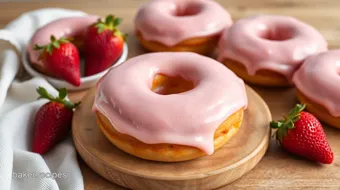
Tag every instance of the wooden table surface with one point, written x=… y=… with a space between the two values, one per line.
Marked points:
x=277 y=170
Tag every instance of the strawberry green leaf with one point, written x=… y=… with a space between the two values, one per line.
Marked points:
x=290 y=125
x=63 y=40
x=37 y=47
x=44 y=94
x=60 y=99
x=276 y=125
x=62 y=93
x=100 y=30
x=117 y=22
x=287 y=123
x=111 y=22
x=52 y=38
x=68 y=104
x=101 y=27
x=109 y=19
x=49 y=49
x=54 y=44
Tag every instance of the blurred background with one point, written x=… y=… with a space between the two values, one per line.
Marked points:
x=322 y=14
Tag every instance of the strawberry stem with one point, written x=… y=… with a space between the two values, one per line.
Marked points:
x=53 y=44
x=111 y=23
x=287 y=123
x=60 y=99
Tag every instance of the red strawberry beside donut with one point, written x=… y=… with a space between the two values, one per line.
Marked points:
x=103 y=45
x=101 y=42
x=61 y=59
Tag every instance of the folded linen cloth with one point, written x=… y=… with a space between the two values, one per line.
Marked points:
x=20 y=169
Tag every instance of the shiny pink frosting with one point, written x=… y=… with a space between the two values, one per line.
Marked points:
x=270 y=42
x=190 y=118
x=161 y=20
x=319 y=79
x=65 y=27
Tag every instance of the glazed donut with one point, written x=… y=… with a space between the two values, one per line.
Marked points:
x=69 y=27
x=156 y=106
x=267 y=49
x=177 y=25
x=318 y=85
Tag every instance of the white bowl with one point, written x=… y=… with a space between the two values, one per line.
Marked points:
x=86 y=82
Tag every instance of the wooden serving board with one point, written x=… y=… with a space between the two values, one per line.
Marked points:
x=226 y=165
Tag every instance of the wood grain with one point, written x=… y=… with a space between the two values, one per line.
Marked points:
x=226 y=165
x=277 y=170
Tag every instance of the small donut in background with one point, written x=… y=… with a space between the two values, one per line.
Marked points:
x=177 y=25
x=266 y=50
x=318 y=86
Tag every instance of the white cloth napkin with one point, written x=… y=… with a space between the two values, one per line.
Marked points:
x=21 y=169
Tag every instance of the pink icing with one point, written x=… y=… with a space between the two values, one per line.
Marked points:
x=190 y=118
x=277 y=43
x=66 y=27
x=319 y=79
x=173 y=21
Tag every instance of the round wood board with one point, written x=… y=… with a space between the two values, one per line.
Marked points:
x=226 y=165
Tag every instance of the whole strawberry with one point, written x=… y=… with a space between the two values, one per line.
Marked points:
x=302 y=134
x=52 y=121
x=61 y=59
x=103 y=45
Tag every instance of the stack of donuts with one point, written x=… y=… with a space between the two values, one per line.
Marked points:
x=265 y=50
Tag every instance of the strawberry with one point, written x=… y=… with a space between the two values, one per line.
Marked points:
x=103 y=45
x=52 y=121
x=61 y=59
x=302 y=134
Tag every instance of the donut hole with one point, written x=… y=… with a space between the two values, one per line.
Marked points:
x=166 y=85
x=188 y=10
x=276 y=33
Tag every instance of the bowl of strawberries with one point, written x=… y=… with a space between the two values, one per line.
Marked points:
x=64 y=64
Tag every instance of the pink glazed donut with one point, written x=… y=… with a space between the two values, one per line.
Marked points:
x=65 y=27
x=318 y=86
x=137 y=116
x=267 y=49
x=181 y=25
